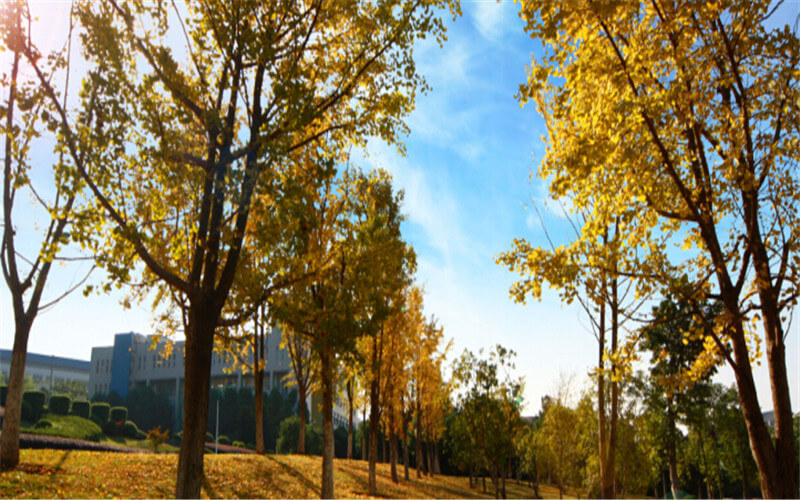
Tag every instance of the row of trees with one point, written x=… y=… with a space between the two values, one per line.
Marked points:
x=674 y=124
x=211 y=176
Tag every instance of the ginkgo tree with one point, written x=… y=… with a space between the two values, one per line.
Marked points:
x=685 y=116
x=29 y=251
x=355 y=226
x=186 y=134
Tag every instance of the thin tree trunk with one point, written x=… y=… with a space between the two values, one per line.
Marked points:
x=393 y=456
x=258 y=384
x=430 y=459
x=405 y=458
x=302 y=410
x=364 y=454
x=326 y=362
x=349 y=419
x=672 y=461
x=374 y=418
x=418 y=459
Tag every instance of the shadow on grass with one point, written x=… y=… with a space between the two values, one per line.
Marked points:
x=297 y=475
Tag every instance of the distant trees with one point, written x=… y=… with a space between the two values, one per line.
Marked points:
x=488 y=412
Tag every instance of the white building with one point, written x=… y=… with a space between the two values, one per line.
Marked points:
x=45 y=370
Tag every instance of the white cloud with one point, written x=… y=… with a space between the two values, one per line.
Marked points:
x=491 y=18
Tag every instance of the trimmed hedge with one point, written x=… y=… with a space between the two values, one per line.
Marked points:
x=60 y=404
x=35 y=401
x=80 y=408
x=119 y=414
x=224 y=440
x=209 y=437
x=238 y=444
x=99 y=413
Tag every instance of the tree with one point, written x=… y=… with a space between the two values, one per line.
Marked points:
x=489 y=409
x=684 y=116
x=676 y=340
x=26 y=269
x=355 y=227
x=206 y=131
x=305 y=370
x=593 y=269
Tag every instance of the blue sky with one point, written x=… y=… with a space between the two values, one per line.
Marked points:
x=467 y=181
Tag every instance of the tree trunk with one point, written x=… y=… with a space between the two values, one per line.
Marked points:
x=364 y=431
x=374 y=419
x=393 y=456
x=436 y=465
x=430 y=459
x=258 y=385
x=405 y=458
x=301 y=404
x=258 y=382
x=197 y=376
x=782 y=480
x=326 y=365
x=349 y=419
x=9 y=444
x=418 y=458
x=672 y=461
x=606 y=472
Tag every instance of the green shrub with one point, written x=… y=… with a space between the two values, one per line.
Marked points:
x=99 y=413
x=69 y=426
x=289 y=433
x=250 y=446
x=224 y=440
x=60 y=404
x=113 y=428
x=80 y=408
x=238 y=444
x=209 y=437
x=130 y=430
x=118 y=414
x=36 y=401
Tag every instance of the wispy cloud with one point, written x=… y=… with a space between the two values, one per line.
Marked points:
x=429 y=202
x=491 y=18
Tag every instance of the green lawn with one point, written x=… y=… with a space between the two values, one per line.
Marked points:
x=85 y=474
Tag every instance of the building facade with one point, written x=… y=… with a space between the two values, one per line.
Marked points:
x=45 y=370
x=137 y=360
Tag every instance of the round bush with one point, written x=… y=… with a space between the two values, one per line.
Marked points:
x=60 y=404
x=80 y=408
x=209 y=437
x=119 y=414
x=238 y=444
x=43 y=424
x=36 y=401
x=99 y=413
x=224 y=440
x=130 y=430
x=140 y=435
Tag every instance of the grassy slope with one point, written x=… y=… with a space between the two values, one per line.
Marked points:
x=83 y=474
